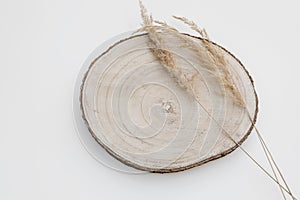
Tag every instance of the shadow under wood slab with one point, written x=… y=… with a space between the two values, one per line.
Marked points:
x=137 y=112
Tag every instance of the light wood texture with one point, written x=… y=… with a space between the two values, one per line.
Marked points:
x=140 y=115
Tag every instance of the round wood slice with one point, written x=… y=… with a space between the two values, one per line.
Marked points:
x=140 y=115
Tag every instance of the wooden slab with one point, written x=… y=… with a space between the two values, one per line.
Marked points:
x=138 y=113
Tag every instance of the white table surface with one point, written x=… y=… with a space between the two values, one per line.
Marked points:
x=43 y=45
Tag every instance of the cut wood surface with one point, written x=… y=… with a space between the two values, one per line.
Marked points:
x=135 y=109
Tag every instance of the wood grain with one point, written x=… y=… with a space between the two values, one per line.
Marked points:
x=138 y=113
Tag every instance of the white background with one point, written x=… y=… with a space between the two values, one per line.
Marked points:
x=42 y=47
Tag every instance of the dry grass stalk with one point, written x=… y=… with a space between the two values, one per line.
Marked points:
x=217 y=59
x=159 y=50
x=210 y=58
x=193 y=26
x=197 y=48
